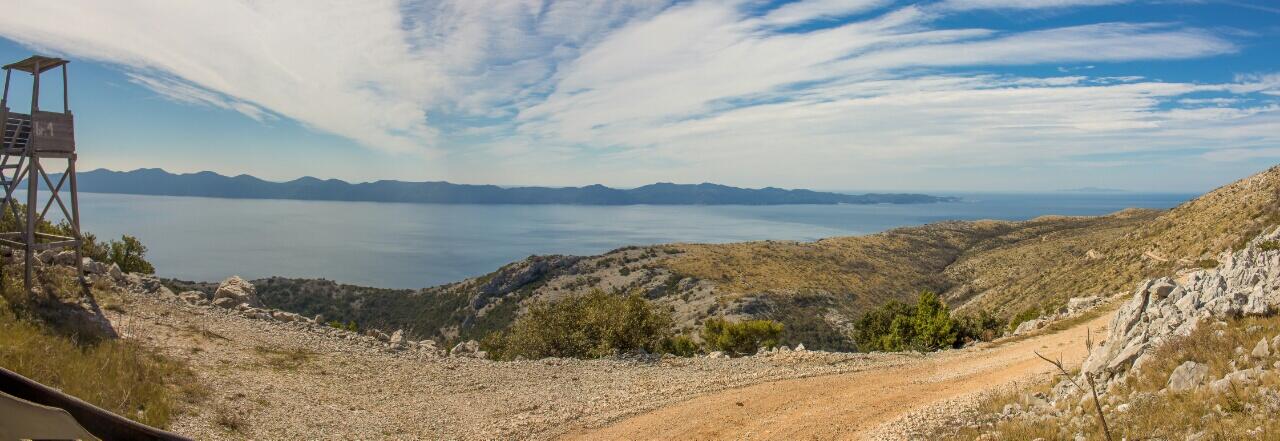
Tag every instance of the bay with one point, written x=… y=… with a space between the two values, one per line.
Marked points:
x=416 y=245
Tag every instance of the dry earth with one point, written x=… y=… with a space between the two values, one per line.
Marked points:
x=903 y=401
x=278 y=380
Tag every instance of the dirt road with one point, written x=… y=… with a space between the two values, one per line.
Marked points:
x=852 y=405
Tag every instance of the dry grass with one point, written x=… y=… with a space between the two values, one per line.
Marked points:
x=1245 y=412
x=992 y=260
x=289 y=359
x=1001 y=267
x=230 y=420
x=119 y=376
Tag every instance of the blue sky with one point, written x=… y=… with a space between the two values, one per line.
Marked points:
x=1160 y=95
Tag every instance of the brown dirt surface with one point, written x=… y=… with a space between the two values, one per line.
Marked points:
x=868 y=404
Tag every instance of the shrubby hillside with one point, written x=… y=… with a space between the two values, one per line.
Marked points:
x=819 y=289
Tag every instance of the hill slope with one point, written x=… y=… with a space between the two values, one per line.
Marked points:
x=818 y=288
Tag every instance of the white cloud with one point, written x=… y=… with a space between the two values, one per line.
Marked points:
x=627 y=92
x=1021 y=4
x=811 y=10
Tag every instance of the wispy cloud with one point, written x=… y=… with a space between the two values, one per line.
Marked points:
x=1021 y=4
x=631 y=91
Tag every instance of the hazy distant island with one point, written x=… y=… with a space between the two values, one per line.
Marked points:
x=154 y=181
x=1093 y=190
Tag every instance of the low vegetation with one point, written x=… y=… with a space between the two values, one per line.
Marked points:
x=115 y=375
x=742 y=337
x=1141 y=407
x=895 y=326
x=600 y=324
x=594 y=325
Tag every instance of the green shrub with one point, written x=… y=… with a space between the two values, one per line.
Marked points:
x=743 y=337
x=1023 y=317
x=594 y=325
x=680 y=346
x=874 y=329
x=980 y=327
x=1269 y=245
x=348 y=326
x=895 y=326
x=1207 y=263
x=129 y=253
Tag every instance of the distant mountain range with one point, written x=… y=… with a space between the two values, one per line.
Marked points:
x=1093 y=190
x=154 y=181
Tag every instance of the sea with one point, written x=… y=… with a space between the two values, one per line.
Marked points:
x=395 y=245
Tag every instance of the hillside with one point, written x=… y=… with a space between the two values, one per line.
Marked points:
x=209 y=184
x=818 y=288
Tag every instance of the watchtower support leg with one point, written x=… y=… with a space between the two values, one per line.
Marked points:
x=29 y=230
x=75 y=218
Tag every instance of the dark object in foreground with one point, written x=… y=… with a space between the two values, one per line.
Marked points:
x=101 y=423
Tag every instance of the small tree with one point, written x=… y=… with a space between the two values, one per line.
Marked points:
x=896 y=326
x=129 y=253
x=932 y=324
x=744 y=337
x=588 y=326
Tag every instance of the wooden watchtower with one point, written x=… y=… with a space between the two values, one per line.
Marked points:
x=31 y=143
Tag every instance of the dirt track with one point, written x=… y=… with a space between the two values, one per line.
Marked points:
x=858 y=405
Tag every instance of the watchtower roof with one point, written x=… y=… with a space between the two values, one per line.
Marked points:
x=29 y=65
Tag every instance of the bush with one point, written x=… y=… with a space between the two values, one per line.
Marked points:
x=129 y=253
x=1207 y=263
x=348 y=326
x=680 y=346
x=895 y=326
x=744 y=337
x=981 y=327
x=1269 y=245
x=1023 y=317
x=594 y=325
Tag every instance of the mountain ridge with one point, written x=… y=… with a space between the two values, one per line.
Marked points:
x=158 y=182
x=817 y=289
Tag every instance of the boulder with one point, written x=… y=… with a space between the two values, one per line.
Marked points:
x=1028 y=326
x=286 y=316
x=193 y=297
x=1080 y=304
x=115 y=273
x=1240 y=378
x=238 y=290
x=397 y=338
x=1261 y=350
x=718 y=354
x=92 y=267
x=224 y=302
x=469 y=348
x=1188 y=376
x=67 y=257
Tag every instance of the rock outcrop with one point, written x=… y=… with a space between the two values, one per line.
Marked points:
x=1246 y=282
x=237 y=291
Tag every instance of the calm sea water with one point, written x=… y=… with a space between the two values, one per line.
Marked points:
x=417 y=245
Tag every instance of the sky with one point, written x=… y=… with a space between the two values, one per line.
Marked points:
x=873 y=95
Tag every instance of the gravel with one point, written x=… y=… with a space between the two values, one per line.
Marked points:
x=271 y=379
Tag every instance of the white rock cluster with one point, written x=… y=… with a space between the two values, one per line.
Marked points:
x=1075 y=307
x=239 y=295
x=1246 y=282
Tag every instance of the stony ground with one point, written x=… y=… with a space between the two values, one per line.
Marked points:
x=907 y=400
x=281 y=380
